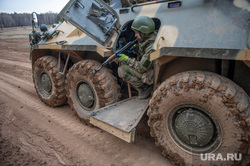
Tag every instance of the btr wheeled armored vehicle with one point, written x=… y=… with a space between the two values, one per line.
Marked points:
x=200 y=102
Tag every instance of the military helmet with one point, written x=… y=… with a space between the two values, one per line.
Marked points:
x=43 y=28
x=143 y=24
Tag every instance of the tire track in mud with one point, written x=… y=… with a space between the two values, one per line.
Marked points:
x=31 y=134
x=32 y=140
x=100 y=144
x=57 y=134
x=16 y=63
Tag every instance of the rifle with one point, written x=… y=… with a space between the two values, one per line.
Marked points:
x=112 y=57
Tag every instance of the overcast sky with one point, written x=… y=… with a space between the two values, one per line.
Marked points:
x=28 y=6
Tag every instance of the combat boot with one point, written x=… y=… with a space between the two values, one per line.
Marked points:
x=144 y=91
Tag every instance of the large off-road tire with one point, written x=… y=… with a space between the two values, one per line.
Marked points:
x=87 y=92
x=195 y=113
x=49 y=81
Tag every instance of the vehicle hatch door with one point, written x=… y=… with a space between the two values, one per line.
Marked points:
x=94 y=17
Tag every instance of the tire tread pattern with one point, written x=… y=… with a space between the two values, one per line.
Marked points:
x=231 y=95
x=58 y=96
x=105 y=84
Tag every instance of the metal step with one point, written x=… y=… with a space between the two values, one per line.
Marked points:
x=121 y=118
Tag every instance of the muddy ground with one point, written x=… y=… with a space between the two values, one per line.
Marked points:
x=32 y=133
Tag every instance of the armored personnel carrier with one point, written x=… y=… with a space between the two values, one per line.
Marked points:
x=200 y=102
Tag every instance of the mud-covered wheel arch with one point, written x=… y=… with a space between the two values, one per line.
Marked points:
x=49 y=81
x=197 y=112
x=87 y=92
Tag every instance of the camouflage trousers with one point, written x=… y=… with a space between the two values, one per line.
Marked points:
x=135 y=78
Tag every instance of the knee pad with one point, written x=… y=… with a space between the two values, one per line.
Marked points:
x=121 y=72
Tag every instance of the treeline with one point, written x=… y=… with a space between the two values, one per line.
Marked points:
x=24 y=19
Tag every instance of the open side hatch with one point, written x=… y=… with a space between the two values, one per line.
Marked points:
x=94 y=17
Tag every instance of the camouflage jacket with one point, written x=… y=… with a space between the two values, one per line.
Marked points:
x=144 y=50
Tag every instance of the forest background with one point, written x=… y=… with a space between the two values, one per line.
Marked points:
x=24 y=19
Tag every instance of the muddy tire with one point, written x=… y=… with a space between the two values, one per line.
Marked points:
x=195 y=113
x=87 y=92
x=49 y=82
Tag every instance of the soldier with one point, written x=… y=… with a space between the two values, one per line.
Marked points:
x=140 y=73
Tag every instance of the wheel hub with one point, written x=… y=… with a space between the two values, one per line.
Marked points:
x=85 y=95
x=193 y=127
x=46 y=83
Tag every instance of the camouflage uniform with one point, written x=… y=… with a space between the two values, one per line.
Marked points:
x=125 y=3
x=139 y=72
x=138 y=1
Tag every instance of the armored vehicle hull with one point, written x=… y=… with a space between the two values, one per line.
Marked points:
x=200 y=103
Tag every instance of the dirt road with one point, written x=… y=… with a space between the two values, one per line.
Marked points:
x=32 y=133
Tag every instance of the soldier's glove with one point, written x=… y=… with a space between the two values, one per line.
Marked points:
x=122 y=57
